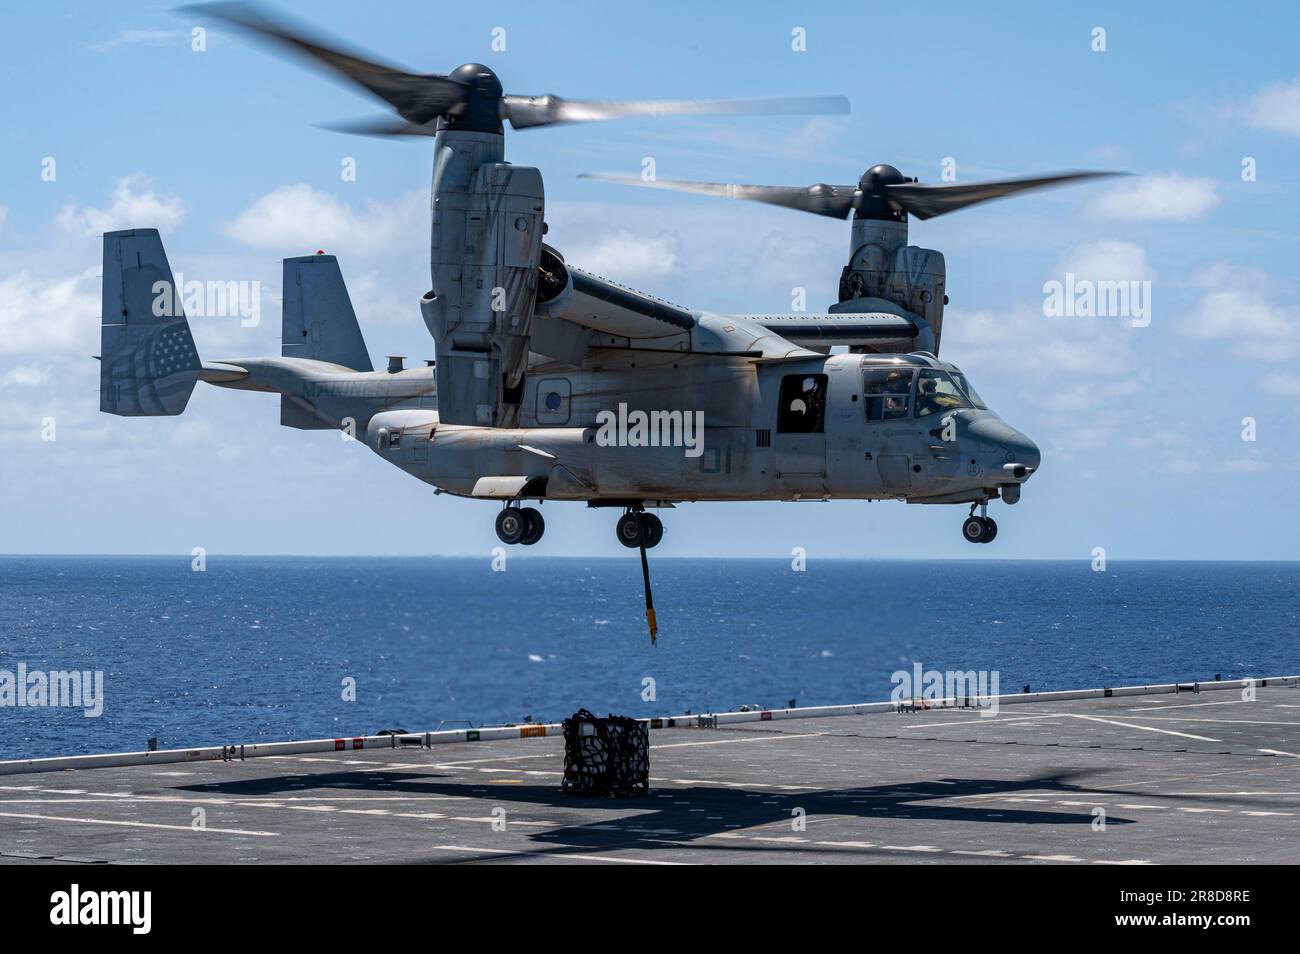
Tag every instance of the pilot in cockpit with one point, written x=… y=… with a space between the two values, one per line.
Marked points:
x=931 y=400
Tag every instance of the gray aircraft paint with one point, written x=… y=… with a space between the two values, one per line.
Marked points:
x=485 y=249
x=531 y=351
x=729 y=368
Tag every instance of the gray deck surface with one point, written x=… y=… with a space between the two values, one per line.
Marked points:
x=1181 y=778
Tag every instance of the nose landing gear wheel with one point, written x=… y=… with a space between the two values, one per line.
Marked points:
x=511 y=525
x=979 y=529
x=992 y=530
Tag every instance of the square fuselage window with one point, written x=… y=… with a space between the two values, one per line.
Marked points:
x=802 y=408
x=887 y=393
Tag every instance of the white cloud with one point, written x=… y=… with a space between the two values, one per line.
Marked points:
x=1276 y=108
x=1161 y=198
x=626 y=256
x=1281 y=384
x=1077 y=379
x=1238 y=307
x=135 y=204
x=24 y=376
x=44 y=316
x=787 y=260
x=1108 y=260
x=297 y=219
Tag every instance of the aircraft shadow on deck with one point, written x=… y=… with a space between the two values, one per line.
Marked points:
x=635 y=821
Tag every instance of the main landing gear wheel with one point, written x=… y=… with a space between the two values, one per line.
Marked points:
x=979 y=529
x=653 y=529
x=632 y=525
x=520 y=525
x=511 y=525
x=536 y=526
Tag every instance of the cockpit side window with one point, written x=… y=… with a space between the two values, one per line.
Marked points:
x=937 y=392
x=964 y=383
x=803 y=404
x=887 y=393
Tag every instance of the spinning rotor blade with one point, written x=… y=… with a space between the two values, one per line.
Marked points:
x=835 y=201
x=381 y=126
x=525 y=112
x=417 y=98
x=471 y=95
x=927 y=201
x=883 y=190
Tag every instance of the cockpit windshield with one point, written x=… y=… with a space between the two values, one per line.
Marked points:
x=964 y=383
x=937 y=393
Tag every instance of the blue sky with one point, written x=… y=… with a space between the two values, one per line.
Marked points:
x=1141 y=427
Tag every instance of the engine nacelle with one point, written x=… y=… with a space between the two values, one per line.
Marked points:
x=883 y=265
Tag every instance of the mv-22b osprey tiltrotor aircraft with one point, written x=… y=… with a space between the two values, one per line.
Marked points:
x=551 y=383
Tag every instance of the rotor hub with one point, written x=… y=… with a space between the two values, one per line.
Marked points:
x=873 y=201
x=477 y=77
x=480 y=109
x=881 y=174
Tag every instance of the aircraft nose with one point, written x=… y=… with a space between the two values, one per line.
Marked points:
x=997 y=437
x=1025 y=451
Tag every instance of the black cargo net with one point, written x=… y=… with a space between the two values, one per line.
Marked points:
x=609 y=756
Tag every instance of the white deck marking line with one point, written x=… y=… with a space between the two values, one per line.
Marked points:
x=1130 y=806
x=1243 y=722
x=924 y=848
x=1062 y=858
x=1145 y=728
x=296 y=801
x=138 y=824
x=1229 y=794
x=1188 y=705
x=500 y=758
x=556 y=854
x=1130 y=861
x=764 y=738
x=983 y=720
x=1280 y=752
x=1220 y=721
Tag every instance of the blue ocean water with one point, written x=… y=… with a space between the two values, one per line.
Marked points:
x=258 y=648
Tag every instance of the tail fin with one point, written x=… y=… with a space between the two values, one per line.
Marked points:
x=318 y=321
x=148 y=362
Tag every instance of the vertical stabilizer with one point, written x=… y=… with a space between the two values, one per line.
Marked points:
x=148 y=362
x=318 y=321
